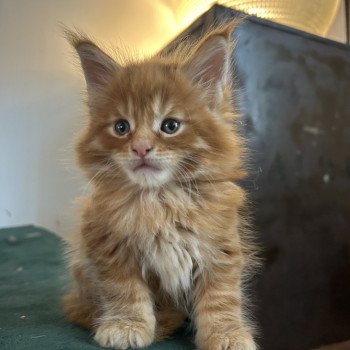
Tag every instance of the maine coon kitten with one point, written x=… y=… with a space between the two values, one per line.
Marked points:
x=161 y=235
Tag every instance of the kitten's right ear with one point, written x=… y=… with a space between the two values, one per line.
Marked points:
x=98 y=67
x=209 y=64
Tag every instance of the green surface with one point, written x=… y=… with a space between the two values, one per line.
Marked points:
x=32 y=281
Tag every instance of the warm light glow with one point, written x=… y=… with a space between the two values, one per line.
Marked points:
x=313 y=16
x=188 y=11
x=256 y=11
x=162 y=20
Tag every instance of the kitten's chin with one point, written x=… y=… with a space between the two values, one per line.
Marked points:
x=147 y=176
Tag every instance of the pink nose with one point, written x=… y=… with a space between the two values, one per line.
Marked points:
x=141 y=148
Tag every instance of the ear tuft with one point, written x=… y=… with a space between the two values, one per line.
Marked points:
x=209 y=65
x=98 y=67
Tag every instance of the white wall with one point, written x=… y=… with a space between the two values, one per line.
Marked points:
x=40 y=96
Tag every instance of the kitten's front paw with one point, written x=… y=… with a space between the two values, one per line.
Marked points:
x=237 y=341
x=123 y=335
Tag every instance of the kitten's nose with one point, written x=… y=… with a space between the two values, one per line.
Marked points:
x=141 y=148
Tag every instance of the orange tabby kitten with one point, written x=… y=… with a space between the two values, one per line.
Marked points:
x=161 y=237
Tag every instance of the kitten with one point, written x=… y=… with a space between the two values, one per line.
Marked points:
x=161 y=236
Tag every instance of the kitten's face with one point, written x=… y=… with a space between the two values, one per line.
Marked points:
x=154 y=129
x=158 y=121
x=150 y=132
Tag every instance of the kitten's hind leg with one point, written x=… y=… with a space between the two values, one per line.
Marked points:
x=79 y=310
x=80 y=303
x=169 y=319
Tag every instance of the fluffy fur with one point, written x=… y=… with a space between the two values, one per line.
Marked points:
x=162 y=237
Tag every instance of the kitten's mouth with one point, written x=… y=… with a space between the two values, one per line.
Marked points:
x=147 y=166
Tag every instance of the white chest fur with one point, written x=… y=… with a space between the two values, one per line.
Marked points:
x=171 y=256
x=156 y=227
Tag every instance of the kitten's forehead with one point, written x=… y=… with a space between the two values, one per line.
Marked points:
x=148 y=91
x=160 y=105
x=153 y=110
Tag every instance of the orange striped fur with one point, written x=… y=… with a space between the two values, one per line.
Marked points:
x=162 y=236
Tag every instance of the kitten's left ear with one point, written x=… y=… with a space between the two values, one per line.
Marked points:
x=209 y=65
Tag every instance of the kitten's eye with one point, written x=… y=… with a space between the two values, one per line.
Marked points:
x=122 y=127
x=170 y=126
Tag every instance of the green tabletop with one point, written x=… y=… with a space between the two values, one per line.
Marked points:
x=32 y=280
